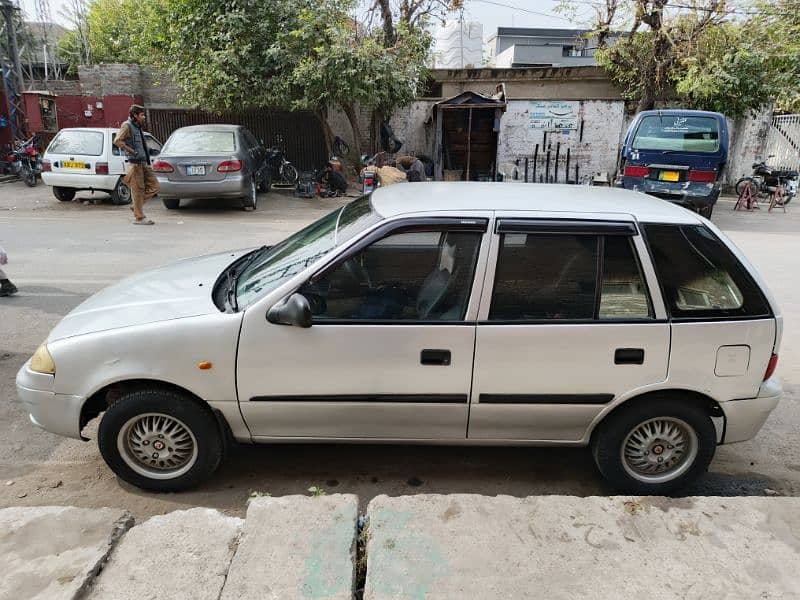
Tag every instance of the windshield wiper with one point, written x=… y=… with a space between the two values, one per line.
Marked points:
x=236 y=272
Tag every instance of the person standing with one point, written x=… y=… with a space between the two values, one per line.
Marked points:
x=140 y=178
x=6 y=287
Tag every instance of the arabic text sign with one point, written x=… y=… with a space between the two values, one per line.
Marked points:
x=553 y=114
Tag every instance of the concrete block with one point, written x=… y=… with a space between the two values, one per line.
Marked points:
x=54 y=552
x=470 y=546
x=181 y=555
x=296 y=547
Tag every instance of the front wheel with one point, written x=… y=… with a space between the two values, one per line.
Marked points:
x=160 y=440
x=655 y=446
x=28 y=175
x=289 y=173
x=739 y=187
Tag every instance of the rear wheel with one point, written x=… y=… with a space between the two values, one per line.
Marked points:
x=64 y=194
x=171 y=203
x=739 y=187
x=250 y=202
x=121 y=194
x=290 y=174
x=655 y=446
x=160 y=440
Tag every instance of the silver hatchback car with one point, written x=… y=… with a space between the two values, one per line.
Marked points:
x=461 y=313
x=212 y=161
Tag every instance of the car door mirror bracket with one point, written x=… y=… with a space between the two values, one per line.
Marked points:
x=295 y=311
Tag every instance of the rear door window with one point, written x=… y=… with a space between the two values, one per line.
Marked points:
x=700 y=276
x=677 y=134
x=72 y=141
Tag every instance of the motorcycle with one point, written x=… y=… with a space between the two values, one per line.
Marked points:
x=765 y=181
x=369 y=174
x=25 y=161
x=282 y=170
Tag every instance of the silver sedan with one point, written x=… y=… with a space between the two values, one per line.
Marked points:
x=212 y=161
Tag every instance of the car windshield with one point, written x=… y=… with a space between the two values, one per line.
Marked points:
x=200 y=142
x=280 y=263
x=71 y=141
x=677 y=134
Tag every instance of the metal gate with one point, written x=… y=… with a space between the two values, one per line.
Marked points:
x=783 y=142
x=299 y=134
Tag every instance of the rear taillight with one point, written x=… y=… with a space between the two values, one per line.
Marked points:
x=703 y=176
x=634 y=171
x=773 y=363
x=161 y=166
x=101 y=168
x=227 y=166
x=46 y=166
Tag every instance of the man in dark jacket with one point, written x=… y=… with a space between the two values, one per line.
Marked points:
x=140 y=178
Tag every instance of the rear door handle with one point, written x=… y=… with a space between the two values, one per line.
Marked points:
x=629 y=356
x=435 y=357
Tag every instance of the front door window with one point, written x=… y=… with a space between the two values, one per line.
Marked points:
x=413 y=276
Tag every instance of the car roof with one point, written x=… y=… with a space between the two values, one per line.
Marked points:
x=210 y=127
x=408 y=198
x=677 y=112
x=98 y=129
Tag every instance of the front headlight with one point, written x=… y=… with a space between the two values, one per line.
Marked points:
x=42 y=362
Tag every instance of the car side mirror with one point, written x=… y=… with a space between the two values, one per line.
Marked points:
x=295 y=310
x=154 y=151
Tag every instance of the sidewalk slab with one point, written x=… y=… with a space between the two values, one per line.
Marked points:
x=471 y=546
x=181 y=555
x=53 y=552
x=296 y=547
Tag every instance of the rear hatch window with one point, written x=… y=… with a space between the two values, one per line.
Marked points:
x=677 y=134
x=71 y=141
x=200 y=142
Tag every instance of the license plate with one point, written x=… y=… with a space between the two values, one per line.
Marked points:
x=71 y=164
x=669 y=176
x=196 y=170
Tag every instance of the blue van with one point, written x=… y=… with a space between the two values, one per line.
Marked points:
x=677 y=155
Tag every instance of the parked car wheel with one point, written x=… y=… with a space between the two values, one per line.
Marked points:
x=160 y=440
x=265 y=181
x=64 y=194
x=654 y=447
x=121 y=194
x=250 y=201
x=171 y=203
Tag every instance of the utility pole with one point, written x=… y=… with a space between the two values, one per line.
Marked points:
x=15 y=100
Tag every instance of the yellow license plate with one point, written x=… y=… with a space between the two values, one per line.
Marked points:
x=71 y=164
x=670 y=176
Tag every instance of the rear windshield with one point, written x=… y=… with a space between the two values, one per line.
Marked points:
x=200 y=142
x=72 y=141
x=678 y=134
x=700 y=276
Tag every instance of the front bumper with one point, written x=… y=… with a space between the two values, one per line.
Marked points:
x=56 y=413
x=688 y=193
x=744 y=418
x=230 y=187
x=81 y=181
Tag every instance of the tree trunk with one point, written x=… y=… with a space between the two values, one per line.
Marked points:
x=648 y=99
x=322 y=116
x=388 y=22
x=350 y=112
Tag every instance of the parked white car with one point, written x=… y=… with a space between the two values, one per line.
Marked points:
x=84 y=158
x=462 y=313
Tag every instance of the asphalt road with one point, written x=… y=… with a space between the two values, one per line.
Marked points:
x=60 y=253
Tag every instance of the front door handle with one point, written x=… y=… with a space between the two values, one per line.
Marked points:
x=435 y=357
x=629 y=356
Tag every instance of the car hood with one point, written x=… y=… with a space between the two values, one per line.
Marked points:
x=174 y=291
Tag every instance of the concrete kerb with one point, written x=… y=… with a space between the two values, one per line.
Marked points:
x=460 y=546
x=184 y=554
x=55 y=552
x=296 y=547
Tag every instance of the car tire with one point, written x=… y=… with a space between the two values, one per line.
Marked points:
x=121 y=194
x=627 y=445
x=250 y=202
x=162 y=421
x=171 y=203
x=705 y=211
x=64 y=194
